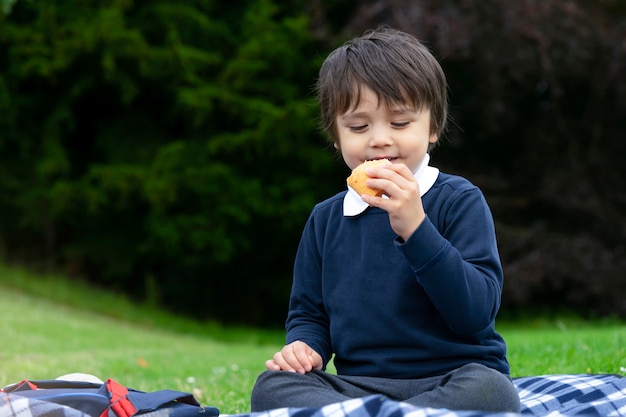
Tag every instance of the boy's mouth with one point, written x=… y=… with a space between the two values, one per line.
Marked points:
x=390 y=158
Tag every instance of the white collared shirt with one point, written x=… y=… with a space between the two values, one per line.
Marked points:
x=425 y=176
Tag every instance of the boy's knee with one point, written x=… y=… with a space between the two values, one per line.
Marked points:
x=261 y=391
x=268 y=383
x=493 y=390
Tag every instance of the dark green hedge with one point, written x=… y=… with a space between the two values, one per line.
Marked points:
x=167 y=149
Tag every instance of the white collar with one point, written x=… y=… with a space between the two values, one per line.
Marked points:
x=425 y=176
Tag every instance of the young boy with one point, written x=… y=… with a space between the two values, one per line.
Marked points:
x=403 y=289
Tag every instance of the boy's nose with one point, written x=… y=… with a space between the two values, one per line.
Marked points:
x=380 y=137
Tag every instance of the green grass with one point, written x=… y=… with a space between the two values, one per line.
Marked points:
x=565 y=346
x=52 y=326
x=43 y=340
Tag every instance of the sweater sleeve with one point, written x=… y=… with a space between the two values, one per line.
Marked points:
x=307 y=320
x=457 y=262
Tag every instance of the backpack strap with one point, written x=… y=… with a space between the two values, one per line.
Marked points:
x=24 y=385
x=35 y=384
x=120 y=403
x=151 y=401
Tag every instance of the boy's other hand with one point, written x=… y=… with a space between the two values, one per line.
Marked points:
x=295 y=357
x=403 y=204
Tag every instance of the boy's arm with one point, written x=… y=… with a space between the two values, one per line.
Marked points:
x=459 y=265
x=307 y=320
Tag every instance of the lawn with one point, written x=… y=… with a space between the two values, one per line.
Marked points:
x=52 y=326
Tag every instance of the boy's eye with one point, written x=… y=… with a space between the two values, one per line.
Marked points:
x=359 y=128
x=400 y=124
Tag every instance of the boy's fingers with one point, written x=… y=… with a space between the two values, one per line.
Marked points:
x=296 y=357
x=316 y=360
x=271 y=365
x=282 y=361
x=291 y=357
x=304 y=360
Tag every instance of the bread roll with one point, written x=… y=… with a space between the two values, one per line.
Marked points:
x=358 y=177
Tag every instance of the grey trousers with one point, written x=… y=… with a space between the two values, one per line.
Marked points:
x=471 y=387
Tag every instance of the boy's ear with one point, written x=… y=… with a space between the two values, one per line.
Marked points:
x=336 y=145
x=433 y=138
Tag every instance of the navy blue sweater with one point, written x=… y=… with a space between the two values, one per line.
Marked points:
x=395 y=309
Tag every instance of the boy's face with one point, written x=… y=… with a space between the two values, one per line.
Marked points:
x=374 y=131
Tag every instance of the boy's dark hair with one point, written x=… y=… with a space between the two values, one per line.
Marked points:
x=396 y=66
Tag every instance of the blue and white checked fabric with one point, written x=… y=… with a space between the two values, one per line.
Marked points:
x=15 y=406
x=371 y=406
x=573 y=395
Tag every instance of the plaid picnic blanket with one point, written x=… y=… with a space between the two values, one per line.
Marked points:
x=545 y=395
x=572 y=395
x=16 y=406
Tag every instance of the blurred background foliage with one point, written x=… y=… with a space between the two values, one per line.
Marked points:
x=170 y=150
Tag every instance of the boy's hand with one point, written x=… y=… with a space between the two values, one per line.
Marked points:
x=295 y=357
x=404 y=204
